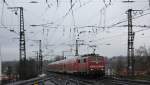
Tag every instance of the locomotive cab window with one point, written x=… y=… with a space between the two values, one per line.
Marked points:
x=84 y=60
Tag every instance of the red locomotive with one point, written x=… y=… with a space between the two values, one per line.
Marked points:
x=90 y=64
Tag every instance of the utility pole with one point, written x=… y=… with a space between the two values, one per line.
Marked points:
x=76 y=54
x=130 y=52
x=22 y=48
x=37 y=61
x=40 y=57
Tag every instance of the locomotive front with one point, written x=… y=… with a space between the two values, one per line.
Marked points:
x=96 y=65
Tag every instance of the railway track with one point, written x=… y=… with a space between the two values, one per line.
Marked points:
x=107 y=80
x=63 y=79
x=75 y=80
x=125 y=81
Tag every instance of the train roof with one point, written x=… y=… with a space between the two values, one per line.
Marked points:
x=93 y=54
x=74 y=58
x=65 y=60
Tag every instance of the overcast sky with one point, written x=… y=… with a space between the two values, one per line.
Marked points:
x=58 y=33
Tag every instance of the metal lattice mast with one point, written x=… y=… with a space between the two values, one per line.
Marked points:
x=130 y=68
x=22 y=48
x=131 y=34
x=22 y=36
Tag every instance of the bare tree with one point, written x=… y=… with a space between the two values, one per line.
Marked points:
x=142 y=59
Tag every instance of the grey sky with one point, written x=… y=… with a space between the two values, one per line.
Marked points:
x=86 y=13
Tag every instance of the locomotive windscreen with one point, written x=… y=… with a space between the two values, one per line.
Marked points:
x=95 y=58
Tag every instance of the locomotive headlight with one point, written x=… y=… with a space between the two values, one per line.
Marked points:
x=102 y=68
x=91 y=69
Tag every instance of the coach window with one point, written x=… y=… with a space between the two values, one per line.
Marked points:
x=84 y=60
x=78 y=61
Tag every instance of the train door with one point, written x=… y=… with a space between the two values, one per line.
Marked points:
x=84 y=64
x=77 y=65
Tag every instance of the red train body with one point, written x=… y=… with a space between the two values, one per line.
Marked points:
x=91 y=64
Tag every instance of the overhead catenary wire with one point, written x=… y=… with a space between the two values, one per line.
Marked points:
x=118 y=23
x=2 y=16
x=123 y=34
x=72 y=13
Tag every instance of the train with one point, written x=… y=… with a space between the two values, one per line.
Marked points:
x=89 y=64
